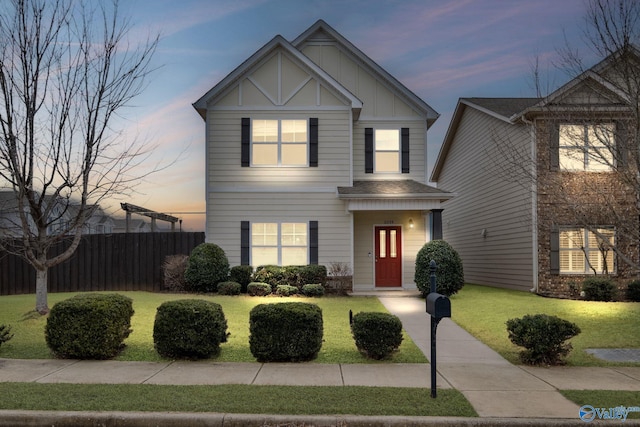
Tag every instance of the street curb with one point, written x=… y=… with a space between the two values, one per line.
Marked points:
x=15 y=418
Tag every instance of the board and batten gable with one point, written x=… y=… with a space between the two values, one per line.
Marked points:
x=489 y=222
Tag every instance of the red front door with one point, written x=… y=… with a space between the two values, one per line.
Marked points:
x=388 y=256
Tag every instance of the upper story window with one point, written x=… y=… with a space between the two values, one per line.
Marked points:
x=586 y=147
x=387 y=150
x=279 y=142
x=585 y=252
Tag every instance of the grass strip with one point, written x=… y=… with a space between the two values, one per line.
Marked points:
x=483 y=312
x=241 y=399
x=605 y=399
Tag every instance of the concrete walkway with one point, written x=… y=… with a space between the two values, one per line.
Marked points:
x=497 y=389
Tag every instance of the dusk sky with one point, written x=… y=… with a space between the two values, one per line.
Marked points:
x=441 y=50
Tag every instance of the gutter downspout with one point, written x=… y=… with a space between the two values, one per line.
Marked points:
x=534 y=206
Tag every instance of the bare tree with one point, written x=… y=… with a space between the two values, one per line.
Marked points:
x=66 y=71
x=597 y=130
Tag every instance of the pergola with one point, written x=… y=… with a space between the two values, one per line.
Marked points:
x=129 y=209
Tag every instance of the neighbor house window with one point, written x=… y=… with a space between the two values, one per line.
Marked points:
x=586 y=147
x=387 y=150
x=279 y=142
x=274 y=243
x=583 y=251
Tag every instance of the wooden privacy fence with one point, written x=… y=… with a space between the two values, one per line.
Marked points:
x=102 y=262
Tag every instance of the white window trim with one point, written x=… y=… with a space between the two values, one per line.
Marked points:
x=376 y=151
x=279 y=245
x=585 y=253
x=279 y=144
x=585 y=147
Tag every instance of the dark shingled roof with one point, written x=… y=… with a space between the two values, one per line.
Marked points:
x=505 y=107
x=378 y=188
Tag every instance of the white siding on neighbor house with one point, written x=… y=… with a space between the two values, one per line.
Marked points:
x=412 y=240
x=417 y=152
x=487 y=200
x=224 y=146
x=226 y=210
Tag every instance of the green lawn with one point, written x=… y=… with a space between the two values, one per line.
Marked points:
x=606 y=399
x=338 y=346
x=247 y=399
x=483 y=312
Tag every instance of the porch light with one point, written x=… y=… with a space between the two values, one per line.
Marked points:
x=410 y=223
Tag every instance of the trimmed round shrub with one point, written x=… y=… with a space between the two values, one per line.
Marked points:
x=599 y=288
x=189 y=329
x=89 y=326
x=543 y=337
x=313 y=290
x=449 y=273
x=229 y=288
x=377 y=335
x=5 y=334
x=285 y=332
x=258 y=289
x=207 y=266
x=286 y=290
x=241 y=274
x=633 y=291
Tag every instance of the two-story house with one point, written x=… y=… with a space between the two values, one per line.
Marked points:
x=545 y=192
x=316 y=155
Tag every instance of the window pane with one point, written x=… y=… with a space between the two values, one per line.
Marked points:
x=387 y=139
x=264 y=256
x=294 y=234
x=571 y=159
x=294 y=256
x=393 y=253
x=571 y=135
x=294 y=131
x=264 y=234
x=387 y=162
x=383 y=243
x=265 y=154
x=265 y=131
x=294 y=154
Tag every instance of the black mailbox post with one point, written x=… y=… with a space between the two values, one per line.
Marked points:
x=438 y=306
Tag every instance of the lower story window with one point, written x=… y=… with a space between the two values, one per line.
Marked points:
x=279 y=243
x=586 y=252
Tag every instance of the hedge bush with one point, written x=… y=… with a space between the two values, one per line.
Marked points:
x=543 y=337
x=189 y=329
x=258 y=289
x=599 y=288
x=313 y=290
x=449 y=273
x=89 y=326
x=241 y=274
x=293 y=275
x=286 y=290
x=633 y=291
x=229 y=288
x=285 y=332
x=377 y=335
x=5 y=333
x=207 y=266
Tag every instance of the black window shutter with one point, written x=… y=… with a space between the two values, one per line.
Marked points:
x=404 y=143
x=554 y=144
x=554 y=255
x=368 y=150
x=621 y=143
x=313 y=142
x=246 y=142
x=313 y=242
x=244 y=242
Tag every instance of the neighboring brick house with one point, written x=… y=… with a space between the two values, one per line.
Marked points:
x=317 y=155
x=546 y=225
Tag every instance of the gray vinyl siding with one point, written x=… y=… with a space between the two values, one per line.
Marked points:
x=487 y=200
x=226 y=210
x=223 y=151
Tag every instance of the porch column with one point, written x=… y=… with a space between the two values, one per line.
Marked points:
x=436 y=232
